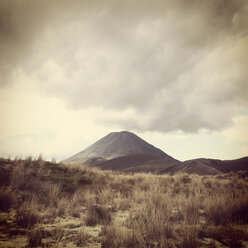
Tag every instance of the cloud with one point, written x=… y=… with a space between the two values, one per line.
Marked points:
x=239 y=131
x=149 y=65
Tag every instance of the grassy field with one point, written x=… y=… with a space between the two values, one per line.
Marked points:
x=47 y=204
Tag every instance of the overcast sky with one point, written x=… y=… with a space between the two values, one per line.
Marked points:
x=172 y=71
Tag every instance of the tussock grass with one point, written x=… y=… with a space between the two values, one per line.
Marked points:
x=6 y=199
x=27 y=214
x=98 y=215
x=159 y=211
x=82 y=238
x=189 y=237
x=229 y=236
x=35 y=237
x=120 y=237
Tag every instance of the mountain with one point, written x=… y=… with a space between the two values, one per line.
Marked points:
x=237 y=164
x=123 y=151
x=139 y=162
x=203 y=166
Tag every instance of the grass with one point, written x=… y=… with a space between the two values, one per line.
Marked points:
x=229 y=236
x=6 y=199
x=26 y=218
x=189 y=237
x=119 y=237
x=82 y=239
x=52 y=205
x=98 y=215
x=35 y=237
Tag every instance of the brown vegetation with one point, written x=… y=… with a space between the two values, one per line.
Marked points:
x=51 y=205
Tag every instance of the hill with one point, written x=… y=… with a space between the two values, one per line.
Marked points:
x=203 y=166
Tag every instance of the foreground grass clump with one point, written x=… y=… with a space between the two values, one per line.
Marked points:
x=48 y=204
x=6 y=199
x=98 y=215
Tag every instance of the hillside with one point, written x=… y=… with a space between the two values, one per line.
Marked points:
x=123 y=151
x=140 y=162
x=45 y=204
x=203 y=166
x=113 y=145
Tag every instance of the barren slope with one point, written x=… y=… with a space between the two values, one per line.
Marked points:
x=114 y=145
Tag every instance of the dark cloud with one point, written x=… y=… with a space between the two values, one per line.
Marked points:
x=177 y=65
x=20 y=22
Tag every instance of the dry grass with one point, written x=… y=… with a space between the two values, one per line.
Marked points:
x=6 y=199
x=98 y=215
x=82 y=239
x=27 y=214
x=140 y=210
x=189 y=237
x=119 y=237
x=35 y=237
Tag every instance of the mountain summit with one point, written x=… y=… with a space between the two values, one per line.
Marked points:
x=123 y=151
x=114 y=145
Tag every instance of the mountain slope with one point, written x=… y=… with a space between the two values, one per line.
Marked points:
x=123 y=151
x=237 y=164
x=139 y=162
x=203 y=166
x=114 y=145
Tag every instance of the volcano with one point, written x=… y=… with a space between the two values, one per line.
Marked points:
x=124 y=151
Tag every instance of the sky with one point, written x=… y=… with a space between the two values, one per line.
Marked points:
x=172 y=71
